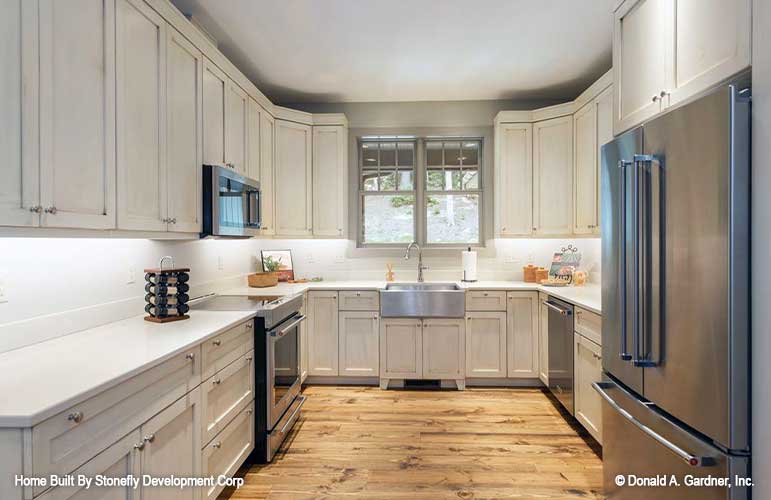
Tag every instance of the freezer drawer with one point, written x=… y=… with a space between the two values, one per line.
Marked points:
x=641 y=442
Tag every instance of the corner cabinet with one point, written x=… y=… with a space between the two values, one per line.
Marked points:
x=553 y=176
x=514 y=179
x=330 y=180
x=294 y=179
x=666 y=52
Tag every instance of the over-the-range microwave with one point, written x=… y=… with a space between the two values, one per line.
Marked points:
x=231 y=204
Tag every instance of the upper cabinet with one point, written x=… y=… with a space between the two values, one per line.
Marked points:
x=667 y=51
x=214 y=87
x=267 y=173
x=514 y=179
x=330 y=180
x=553 y=176
x=253 y=142
x=294 y=194
x=77 y=113
x=236 y=113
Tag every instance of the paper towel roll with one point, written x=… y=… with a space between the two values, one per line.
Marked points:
x=469 y=259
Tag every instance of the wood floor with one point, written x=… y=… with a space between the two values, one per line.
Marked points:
x=365 y=443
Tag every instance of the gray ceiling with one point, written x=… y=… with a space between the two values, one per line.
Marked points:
x=313 y=51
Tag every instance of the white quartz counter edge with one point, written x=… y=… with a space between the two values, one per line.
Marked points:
x=44 y=379
x=587 y=297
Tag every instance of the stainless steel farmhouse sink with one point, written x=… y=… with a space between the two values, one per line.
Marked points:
x=422 y=300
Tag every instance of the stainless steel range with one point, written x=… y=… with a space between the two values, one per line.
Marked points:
x=277 y=397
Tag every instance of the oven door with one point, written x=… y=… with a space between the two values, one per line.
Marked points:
x=283 y=367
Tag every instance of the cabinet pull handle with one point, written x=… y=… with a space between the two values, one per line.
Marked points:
x=150 y=438
x=216 y=381
x=50 y=210
x=139 y=446
x=217 y=445
x=76 y=416
x=217 y=343
x=248 y=359
x=190 y=356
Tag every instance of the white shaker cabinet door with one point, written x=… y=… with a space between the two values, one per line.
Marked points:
x=294 y=211
x=77 y=113
x=401 y=348
x=642 y=59
x=184 y=139
x=19 y=170
x=604 y=104
x=140 y=44
x=236 y=115
x=359 y=343
x=522 y=333
x=486 y=344
x=444 y=348
x=253 y=125
x=213 y=114
x=553 y=176
x=330 y=178
x=322 y=334
x=514 y=179
x=585 y=169
x=268 y=173
x=588 y=369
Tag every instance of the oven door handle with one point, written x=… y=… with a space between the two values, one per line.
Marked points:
x=283 y=331
x=291 y=420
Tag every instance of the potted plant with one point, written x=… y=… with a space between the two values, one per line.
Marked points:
x=267 y=278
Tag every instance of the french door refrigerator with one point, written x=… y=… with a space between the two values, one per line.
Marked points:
x=675 y=295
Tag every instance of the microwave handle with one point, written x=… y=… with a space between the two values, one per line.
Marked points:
x=283 y=331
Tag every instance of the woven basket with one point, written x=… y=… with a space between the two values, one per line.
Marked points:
x=262 y=280
x=529 y=272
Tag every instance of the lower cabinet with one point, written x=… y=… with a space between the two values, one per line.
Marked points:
x=118 y=461
x=486 y=344
x=543 y=339
x=588 y=369
x=171 y=445
x=228 y=450
x=304 y=342
x=226 y=393
x=401 y=350
x=358 y=343
x=322 y=333
x=522 y=334
x=444 y=348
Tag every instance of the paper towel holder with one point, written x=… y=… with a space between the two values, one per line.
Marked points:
x=464 y=279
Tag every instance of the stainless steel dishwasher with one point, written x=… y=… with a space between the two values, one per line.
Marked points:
x=561 y=351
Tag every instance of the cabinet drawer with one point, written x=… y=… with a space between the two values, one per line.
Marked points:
x=589 y=325
x=228 y=450
x=227 y=347
x=67 y=440
x=359 y=301
x=226 y=394
x=485 y=300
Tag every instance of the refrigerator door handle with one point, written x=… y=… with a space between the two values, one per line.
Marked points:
x=690 y=459
x=624 y=354
x=647 y=346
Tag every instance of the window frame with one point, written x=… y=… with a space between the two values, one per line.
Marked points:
x=420 y=189
x=362 y=193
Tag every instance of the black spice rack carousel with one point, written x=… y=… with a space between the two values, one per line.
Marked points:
x=167 y=293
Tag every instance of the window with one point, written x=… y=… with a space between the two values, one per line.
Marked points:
x=452 y=192
x=387 y=188
x=438 y=197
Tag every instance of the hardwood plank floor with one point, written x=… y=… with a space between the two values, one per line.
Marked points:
x=365 y=443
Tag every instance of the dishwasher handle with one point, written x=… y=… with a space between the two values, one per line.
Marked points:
x=554 y=307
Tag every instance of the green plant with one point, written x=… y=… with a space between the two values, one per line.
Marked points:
x=270 y=264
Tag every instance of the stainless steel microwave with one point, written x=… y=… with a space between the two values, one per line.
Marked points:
x=231 y=204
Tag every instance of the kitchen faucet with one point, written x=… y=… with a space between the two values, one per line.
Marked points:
x=421 y=267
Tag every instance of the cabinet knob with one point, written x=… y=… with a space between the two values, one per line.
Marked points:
x=663 y=93
x=150 y=438
x=654 y=98
x=216 y=381
x=140 y=446
x=217 y=343
x=535 y=228
x=173 y=221
x=50 y=210
x=190 y=356
x=248 y=359
x=249 y=325
x=249 y=411
x=36 y=209
x=76 y=416
x=217 y=445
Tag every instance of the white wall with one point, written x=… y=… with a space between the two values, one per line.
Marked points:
x=761 y=242
x=500 y=260
x=45 y=277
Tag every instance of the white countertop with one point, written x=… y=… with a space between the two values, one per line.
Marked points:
x=587 y=297
x=43 y=379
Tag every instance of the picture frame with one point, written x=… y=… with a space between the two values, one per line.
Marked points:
x=284 y=258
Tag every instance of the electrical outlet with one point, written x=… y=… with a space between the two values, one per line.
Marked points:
x=340 y=258
x=220 y=263
x=131 y=277
x=3 y=287
x=309 y=259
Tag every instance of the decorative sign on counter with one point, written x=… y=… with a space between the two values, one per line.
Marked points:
x=278 y=261
x=563 y=265
x=167 y=293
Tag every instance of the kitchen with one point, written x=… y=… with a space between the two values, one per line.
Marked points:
x=428 y=370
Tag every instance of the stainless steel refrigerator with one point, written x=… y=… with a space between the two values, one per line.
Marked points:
x=675 y=302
